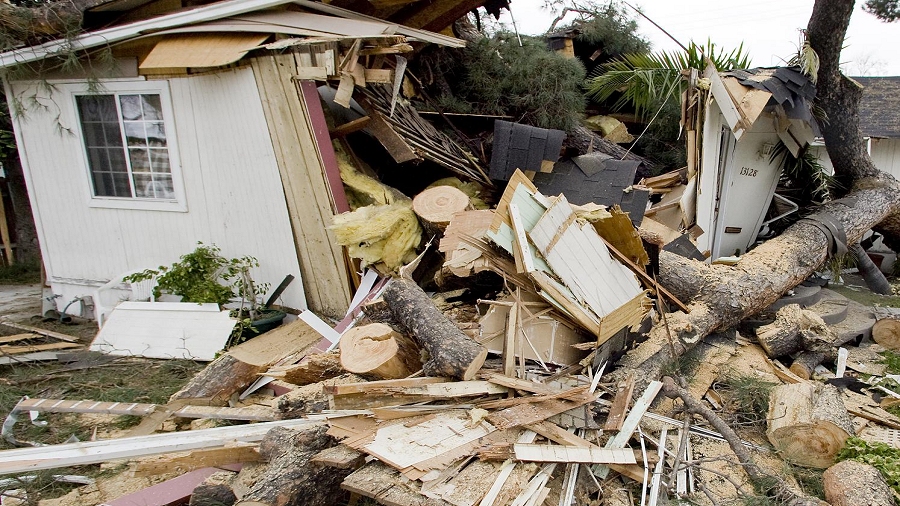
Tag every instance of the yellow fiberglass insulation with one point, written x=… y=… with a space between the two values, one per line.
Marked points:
x=375 y=234
x=363 y=190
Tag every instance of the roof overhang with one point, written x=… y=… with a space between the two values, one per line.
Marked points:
x=212 y=12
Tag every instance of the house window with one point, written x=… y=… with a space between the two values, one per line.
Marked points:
x=127 y=147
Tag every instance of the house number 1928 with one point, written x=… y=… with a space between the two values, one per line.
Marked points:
x=747 y=171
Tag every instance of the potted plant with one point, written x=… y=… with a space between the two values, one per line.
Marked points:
x=205 y=276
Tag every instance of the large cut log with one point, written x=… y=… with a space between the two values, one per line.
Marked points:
x=243 y=363
x=886 y=332
x=377 y=350
x=436 y=206
x=851 y=483
x=806 y=362
x=290 y=477
x=808 y=423
x=313 y=368
x=452 y=353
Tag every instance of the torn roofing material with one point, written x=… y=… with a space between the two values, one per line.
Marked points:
x=879 y=114
x=789 y=86
x=522 y=147
x=599 y=179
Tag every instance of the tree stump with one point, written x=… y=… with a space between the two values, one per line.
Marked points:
x=886 y=332
x=435 y=206
x=452 y=353
x=290 y=477
x=851 y=483
x=377 y=350
x=808 y=423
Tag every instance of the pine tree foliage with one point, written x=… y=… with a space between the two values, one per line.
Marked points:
x=610 y=30
x=885 y=10
x=496 y=76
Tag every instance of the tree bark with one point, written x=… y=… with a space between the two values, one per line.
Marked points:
x=452 y=353
x=851 y=483
x=290 y=478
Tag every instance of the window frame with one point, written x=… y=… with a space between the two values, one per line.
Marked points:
x=117 y=88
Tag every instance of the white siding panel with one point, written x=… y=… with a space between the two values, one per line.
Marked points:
x=884 y=154
x=232 y=187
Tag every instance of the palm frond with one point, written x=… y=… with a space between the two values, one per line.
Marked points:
x=646 y=80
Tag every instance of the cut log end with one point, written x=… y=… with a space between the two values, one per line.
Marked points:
x=379 y=351
x=807 y=423
x=886 y=332
x=435 y=206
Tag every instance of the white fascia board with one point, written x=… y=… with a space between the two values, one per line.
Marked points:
x=120 y=33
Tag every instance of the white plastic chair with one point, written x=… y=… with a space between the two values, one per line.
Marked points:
x=110 y=294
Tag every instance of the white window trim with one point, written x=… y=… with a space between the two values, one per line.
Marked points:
x=116 y=86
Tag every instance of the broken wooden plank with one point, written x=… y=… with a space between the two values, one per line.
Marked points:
x=536 y=412
x=369 y=386
x=620 y=440
x=620 y=406
x=197 y=459
x=350 y=127
x=94 y=452
x=558 y=435
x=32 y=348
x=522 y=384
x=18 y=337
x=4 y=320
x=571 y=454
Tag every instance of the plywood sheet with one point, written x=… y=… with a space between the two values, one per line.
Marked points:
x=165 y=330
x=201 y=50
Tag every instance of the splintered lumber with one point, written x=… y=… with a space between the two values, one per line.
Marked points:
x=886 y=332
x=452 y=353
x=93 y=452
x=436 y=206
x=851 y=483
x=534 y=412
x=370 y=386
x=242 y=364
x=620 y=405
x=387 y=486
x=249 y=413
x=377 y=350
x=570 y=454
x=290 y=477
x=808 y=423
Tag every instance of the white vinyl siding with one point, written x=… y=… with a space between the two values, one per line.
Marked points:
x=231 y=184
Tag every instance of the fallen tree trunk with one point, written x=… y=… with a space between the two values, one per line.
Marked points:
x=721 y=296
x=452 y=353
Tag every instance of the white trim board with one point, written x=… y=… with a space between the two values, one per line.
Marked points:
x=165 y=330
x=94 y=452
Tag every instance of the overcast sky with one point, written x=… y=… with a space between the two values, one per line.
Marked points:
x=768 y=29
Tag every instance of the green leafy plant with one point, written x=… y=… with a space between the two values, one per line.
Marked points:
x=205 y=276
x=881 y=456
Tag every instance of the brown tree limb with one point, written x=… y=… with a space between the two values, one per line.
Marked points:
x=764 y=482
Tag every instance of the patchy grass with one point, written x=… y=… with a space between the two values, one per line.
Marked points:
x=20 y=273
x=123 y=380
x=854 y=288
x=892 y=362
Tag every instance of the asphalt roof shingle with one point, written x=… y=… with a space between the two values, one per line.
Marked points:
x=879 y=108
